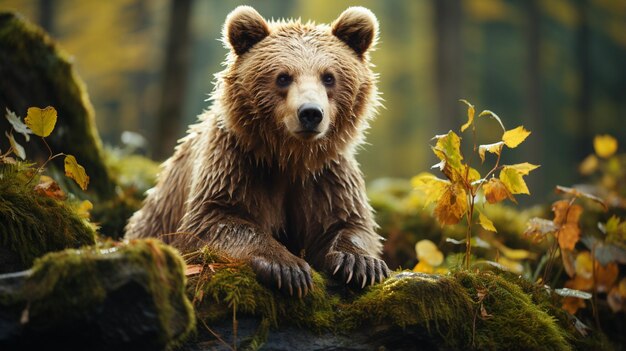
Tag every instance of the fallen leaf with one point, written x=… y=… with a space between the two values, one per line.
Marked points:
x=584 y=265
x=423 y=267
x=193 y=269
x=572 y=304
x=82 y=210
x=537 y=228
x=573 y=293
x=428 y=252
x=41 y=121
x=75 y=171
x=50 y=188
x=512 y=138
x=605 y=145
x=581 y=194
x=606 y=276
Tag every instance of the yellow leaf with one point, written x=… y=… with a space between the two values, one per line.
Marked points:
x=448 y=149
x=17 y=148
x=452 y=205
x=622 y=287
x=513 y=181
x=75 y=171
x=605 y=145
x=511 y=265
x=485 y=222
x=512 y=138
x=431 y=186
x=428 y=252
x=495 y=148
x=584 y=265
x=589 y=165
x=567 y=216
x=472 y=174
x=470 y=115
x=496 y=191
x=523 y=168
x=423 y=267
x=83 y=209
x=512 y=254
x=41 y=121
x=494 y=116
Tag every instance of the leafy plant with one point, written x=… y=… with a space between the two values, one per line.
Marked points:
x=40 y=122
x=456 y=196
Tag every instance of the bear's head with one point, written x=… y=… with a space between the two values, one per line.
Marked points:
x=298 y=94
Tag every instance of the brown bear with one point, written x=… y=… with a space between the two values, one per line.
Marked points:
x=268 y=174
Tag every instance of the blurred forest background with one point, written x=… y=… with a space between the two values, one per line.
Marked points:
x=556 y=66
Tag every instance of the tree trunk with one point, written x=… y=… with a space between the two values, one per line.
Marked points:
x=175 y=79
x=533 y=89
x=449 y=52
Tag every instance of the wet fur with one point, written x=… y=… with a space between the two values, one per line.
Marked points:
x=242 y=184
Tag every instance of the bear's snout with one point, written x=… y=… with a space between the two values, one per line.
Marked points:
x=310 y=116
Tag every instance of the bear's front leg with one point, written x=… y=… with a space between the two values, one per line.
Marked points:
x=242 y=239
x=352 y=264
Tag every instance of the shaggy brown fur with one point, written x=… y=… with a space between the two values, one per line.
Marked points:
x=245 y=182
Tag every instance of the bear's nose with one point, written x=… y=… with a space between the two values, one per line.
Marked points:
x=310 y=115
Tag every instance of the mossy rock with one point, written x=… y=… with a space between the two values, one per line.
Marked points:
x=32 y=224
x=462 y=310
x=115 y=296
x=36 y=72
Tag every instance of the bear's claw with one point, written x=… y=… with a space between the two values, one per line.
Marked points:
x=357 y=268
x=292 y=276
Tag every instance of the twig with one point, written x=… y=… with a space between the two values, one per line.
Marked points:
x=216 y=335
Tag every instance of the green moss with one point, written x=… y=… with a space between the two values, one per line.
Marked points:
x=507 y=317
x=65 y=285
x=33 y=225
x=437 y=304
x=37 y=72
x=233 y=285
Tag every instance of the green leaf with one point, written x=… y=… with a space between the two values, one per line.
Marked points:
x=18 y=125
x=75 y=171
x=41 y=121
x=512 y=138
x=494 y=116
x=17 y=148
x=470 y=115
x=513 y=181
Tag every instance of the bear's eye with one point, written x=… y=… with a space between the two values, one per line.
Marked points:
x=328 y=79
x=283 y=80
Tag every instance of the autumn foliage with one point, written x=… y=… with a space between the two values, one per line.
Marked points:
x=455 y=196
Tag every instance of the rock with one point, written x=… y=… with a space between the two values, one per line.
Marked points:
x=119 y=296
x=33 y=224
x=36 y=72
x=408 y=311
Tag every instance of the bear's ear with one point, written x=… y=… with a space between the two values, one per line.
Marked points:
x=244 y=27
x=357 y=27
